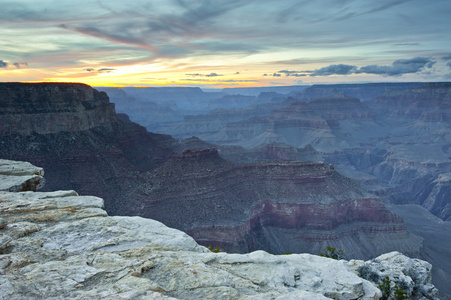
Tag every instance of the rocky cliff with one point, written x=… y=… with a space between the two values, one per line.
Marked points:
x=58 y=245
x=45 y=108
x=279 y=206
x=74 y=133
x=364 y=91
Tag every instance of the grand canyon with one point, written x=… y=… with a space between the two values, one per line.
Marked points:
x=285 y=171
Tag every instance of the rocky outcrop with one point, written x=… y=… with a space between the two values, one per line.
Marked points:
x=279 y=206
x=412 y=276
x=45 y=108
x=20 y=177
x=430 y=102
x=74 y=133
x=58 y=245
x=364 y=91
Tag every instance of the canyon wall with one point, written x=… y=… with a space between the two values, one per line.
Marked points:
x=59 y=245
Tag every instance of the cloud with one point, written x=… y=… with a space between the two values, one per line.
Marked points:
x=294 y=73
x=204 y=75
x=449 y=64
x=340 y=69
x=288 y=73
x=5 y=64
x=20 y=65
x=106 y=70
x=102 y=70
x=213 y=75
x=276 y=75
x=231 y=80
x=399 y=67
x=447 y=57
x=123 y=38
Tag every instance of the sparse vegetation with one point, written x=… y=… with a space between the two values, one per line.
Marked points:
x=332 y=253
x=215 y=249
x=385 y=287
x=399 y=294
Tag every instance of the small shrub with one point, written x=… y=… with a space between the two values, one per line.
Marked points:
x=332 y=253
x=399 y=294
x=216 y=249
x=384 y=286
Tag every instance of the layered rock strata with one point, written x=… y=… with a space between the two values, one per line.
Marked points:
x=279 y=207
x=74 y=133
x=58 y=245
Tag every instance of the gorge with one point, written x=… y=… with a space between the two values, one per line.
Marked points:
x=240 y=206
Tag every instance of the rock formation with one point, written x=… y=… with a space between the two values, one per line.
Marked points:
x=278 y=206
x=58 y=245
x=241 y=207
x=364 y=91
x=74 y=133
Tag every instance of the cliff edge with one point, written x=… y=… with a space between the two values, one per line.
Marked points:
x=61 y=245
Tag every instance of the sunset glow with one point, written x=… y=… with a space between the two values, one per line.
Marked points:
x=224 y=43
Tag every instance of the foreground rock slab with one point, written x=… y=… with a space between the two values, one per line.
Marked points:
x=58 y=245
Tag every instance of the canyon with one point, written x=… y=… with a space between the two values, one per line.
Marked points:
x=244 y=205
x=393 y=138
x=239 y=207
x=60 y=245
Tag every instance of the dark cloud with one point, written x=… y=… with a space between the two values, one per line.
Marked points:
x=294 y=73
x=20 y=65
x=102 y=70
x=448 y=64
x=5 y=64
x=237 y=73
x=196 y=80
x=276 y=75
x=447 y=57
x=231 y=80
x=213 y=75
x=399 y=67
x=288 y=73
x=204 y=75
x=105 y=70
x=334 y=70
x=298 y=75
x=122 y=38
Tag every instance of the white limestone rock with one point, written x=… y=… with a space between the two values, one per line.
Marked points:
x=20 y=176
x=410 y=274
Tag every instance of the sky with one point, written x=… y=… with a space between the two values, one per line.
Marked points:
x=230 y=43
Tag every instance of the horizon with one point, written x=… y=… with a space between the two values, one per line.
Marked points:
x=220 y=44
